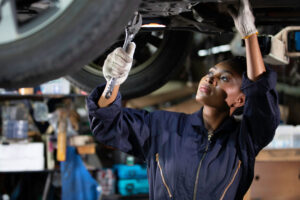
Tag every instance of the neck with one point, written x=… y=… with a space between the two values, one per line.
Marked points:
x=213 y=117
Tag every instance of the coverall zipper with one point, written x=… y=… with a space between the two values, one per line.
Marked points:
x=209 y=135
x=162 y=176
x=232 y=180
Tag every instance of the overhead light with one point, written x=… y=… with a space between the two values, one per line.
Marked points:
x=214 y=50
x=153 y=25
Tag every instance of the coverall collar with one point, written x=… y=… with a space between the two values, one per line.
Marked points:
x=228 y=123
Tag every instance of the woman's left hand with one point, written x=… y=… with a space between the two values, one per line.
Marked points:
x=243 y=19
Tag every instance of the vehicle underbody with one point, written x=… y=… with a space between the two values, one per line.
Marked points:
x=46 y=47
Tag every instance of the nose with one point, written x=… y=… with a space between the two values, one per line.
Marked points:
x=210 y=80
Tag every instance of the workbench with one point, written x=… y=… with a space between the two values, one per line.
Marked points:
x=276 y=175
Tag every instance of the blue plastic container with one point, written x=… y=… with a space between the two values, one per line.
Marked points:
x=133 y=186
x=131 y=171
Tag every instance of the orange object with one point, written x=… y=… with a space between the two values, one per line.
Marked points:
x=62 y=136
x=86 y=149
x=61 y=146
x=26 y=91
x=246 y=37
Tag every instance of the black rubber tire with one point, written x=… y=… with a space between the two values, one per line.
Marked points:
x=86 y=28
x=170 y=59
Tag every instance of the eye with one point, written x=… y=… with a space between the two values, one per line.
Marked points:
x=224 y=78
x=210 y=73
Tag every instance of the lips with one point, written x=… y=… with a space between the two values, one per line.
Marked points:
x=205 y=89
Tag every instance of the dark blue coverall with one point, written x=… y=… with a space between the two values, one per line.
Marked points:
x=184 y=160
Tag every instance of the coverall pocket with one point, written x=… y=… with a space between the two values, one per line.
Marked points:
x=163 y=177
x=231 y=180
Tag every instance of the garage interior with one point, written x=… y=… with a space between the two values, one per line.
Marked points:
x=46 y=124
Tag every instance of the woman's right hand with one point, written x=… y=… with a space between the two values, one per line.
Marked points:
x=118 y=64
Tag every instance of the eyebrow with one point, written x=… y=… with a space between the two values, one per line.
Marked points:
x=229 y=72
x=222 y=71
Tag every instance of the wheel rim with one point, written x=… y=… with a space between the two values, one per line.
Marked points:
x=147 y=51
x=16 y=24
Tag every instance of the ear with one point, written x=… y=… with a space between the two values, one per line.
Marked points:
x=240 y=100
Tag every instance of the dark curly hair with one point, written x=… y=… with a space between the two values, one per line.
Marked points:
x=238 y=64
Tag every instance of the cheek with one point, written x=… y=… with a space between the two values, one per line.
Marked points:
x=220 y=95
x=232 y=93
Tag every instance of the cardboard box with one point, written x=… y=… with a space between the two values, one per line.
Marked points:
x=22 y=157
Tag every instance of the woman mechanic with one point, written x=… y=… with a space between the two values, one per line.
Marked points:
x=205 y=155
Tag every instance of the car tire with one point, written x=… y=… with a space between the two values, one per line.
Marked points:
x=156 y=70
x=75 y=38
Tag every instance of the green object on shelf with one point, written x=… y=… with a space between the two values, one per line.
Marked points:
x=130 y=160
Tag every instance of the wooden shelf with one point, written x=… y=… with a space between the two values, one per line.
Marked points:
x=29 y=171
x=6 y=97
x=279 y=155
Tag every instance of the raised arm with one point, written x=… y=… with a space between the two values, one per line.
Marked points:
x=261 y=112
x=117 y=65
x=255 y=63
x=125 y=129
x=244 y=23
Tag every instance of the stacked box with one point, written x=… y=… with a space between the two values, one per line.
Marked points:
x=132 y=179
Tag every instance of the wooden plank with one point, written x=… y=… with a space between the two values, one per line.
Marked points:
x=151 y=100
x=190 y=106
x=279 y=155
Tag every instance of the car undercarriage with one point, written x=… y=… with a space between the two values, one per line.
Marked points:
x=74 y=36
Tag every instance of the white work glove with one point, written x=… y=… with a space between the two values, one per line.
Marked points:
x=243 y=19
x=118 y=64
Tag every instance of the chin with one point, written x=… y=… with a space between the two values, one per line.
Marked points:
x=201 y=99
x=198 y=98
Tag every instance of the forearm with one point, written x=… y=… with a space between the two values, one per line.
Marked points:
x=255 y=63
x=103 y=102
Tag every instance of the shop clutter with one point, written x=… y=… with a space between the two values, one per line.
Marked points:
x=45 y=131
x=49 y=123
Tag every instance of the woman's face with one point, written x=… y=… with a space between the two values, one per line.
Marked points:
x=220 y=88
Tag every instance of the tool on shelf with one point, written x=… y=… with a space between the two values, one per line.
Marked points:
x=62 y=135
